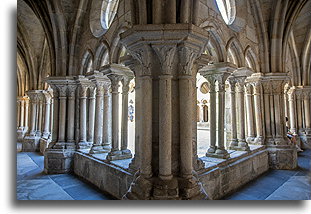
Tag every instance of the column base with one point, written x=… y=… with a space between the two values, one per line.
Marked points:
x=219 y=153
x=165 y=189
x=31 y=144
x=140 y=189
x=64 y=145
x=83 y=145
x=233 y=144
x=134 y=165
x=44 y=144
x=157 y=189
x=21 y=131
x=46 y=135
x=243 y=146
x=211 y=150
x=118 y=155
x=282 y=157
x=98 y=149
x=259 y=140
x=58 y=161
x=250 y=139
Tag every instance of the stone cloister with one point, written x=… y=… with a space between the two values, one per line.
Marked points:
x=117 y=91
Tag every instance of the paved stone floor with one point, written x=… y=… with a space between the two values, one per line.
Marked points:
x=279 y=184
x=33 y=184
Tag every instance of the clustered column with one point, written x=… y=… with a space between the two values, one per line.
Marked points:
x=234 y=140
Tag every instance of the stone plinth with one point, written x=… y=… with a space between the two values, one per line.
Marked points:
x=58 y=161
x=44 y=144
x=31 y=144
x=219 y=177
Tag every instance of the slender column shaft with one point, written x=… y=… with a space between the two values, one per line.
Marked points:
x=212 y=118
x=292 y=115
x=91 y=115
x=234 y=140
x=40 y=113
x=157 y=11
x=258 y=113
x=299 y=112
x=201 y=116
x=221 y=118
x=83 y=114
x=124 y=120
x=51 y=116
x=306 y=102
x=115 y=115
x=185 y=102
x=33 y=116
x=272 y=113
x=106 y=122
x=250 y=115
x=165 y=127
x=241 y=117
x=26 y=112
x=267 y=115
x=278 y=128
x=47 y=117
x=62 y=118
x=98 y=132
x=21 y=119
x=18 y=114
x=146 y=126
x=55 y=115
x=71 y=114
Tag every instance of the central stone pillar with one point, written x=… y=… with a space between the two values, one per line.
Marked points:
x=282 y=153
x=58 y=158
x=249 y=114
x=31 y=140
x=117 y=73
x=217 y=74
x=166 y=56
x=100 y=82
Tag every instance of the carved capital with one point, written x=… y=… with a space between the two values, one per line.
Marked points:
x=62 y=90
x=187 y=56
x=72 y=90
x=248 y=89
x=115 y=80
x=92 y=91
x=144 y=55
x=83 y=91
x=166 y=55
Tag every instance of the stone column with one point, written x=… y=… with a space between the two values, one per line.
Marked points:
x=165 y=127
x=22 y=114
x=18 y=112
x=55 y=114
x=62 y=116
x=201 y=119
x=124 y=120
x=91 y=114
x=292 y=115
x=40 y=114
x=101 y=82
x=71 y=114
x=243 y=145
x=58 y=157
x=46 y=129
x=282 y=153
x=307 y=114
x=249 y=113
x=98 y=132
x=107 y=119
x=221 y=151
x=83 y=96
x=26 y=113
x=115 y=152
x=258 y=113
x=299 y=111
x=212 y=116
x=286 y=100
x=234 y=140
x=33 y=102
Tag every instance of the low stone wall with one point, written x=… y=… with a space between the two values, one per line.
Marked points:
x=107 y=177
x=227 y=177
x=219 y=178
